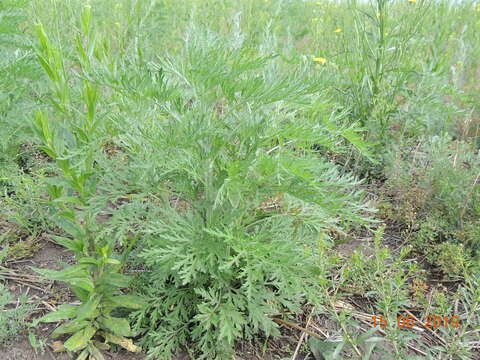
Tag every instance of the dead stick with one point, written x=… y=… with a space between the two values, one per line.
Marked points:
x=434 y=333
x=32 y=286
x=52 y=308
x=298 y=327
x=297 y=349
x=16 y=277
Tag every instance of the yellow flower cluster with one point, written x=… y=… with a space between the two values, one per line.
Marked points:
x=320 y=60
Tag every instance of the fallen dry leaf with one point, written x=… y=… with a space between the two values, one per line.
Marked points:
x=122 y=341
x=57 y=346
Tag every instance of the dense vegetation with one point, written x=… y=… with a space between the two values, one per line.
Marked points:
x=224 y=175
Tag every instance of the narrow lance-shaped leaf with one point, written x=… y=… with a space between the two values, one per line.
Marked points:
x=63 y=312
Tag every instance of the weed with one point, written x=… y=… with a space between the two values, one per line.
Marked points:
x=96 y=278
x=440 y=206
x=13 y=316
x=221 y=265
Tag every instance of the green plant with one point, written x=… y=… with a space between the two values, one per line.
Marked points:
x=379 y=57
x=12 y=318
x=449 y=257
x=461 y=343
x=245 y=198
x=18 y=74
x=332 y=350
x=440 y=206
x=97 y=277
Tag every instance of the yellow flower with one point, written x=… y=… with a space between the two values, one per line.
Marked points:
x=338 y=30
x=412 y=1
x=318 y=3
x=320 y=60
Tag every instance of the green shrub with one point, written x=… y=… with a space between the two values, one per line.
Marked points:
x=246 y=198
